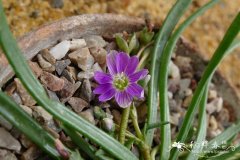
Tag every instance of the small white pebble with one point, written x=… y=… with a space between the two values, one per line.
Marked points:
x=212 y=94
x=60 y=50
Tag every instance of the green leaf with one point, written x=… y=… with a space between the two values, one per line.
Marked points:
x=133 y=44
x=24 y=123
x=202 y=127
x=231 y=154
x=146 y=36
x=214 y=62
x=161 y=40
x=58 y=110
x=122 y=44
x=75 y=156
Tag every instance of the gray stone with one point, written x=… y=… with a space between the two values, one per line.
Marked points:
x=68 y=90
x=73 y=72
x=25 y=141
x=51 y=81
x=60 y=50
x=46 y=55
x=184 y=85
x=99 y=55
x=77 y=104
x=26 y=98
x=88 y=115
x=174 y=118
x=96 y=67
x=4 y=123
x=77 y=44
x=95 y=41
x=86 y=91
x=45 y=65
x=39 y=112
x=52 y=95
x=31 y=153
x=85 y=75
x=35 y=68
x=68 y=75
x=27 y=109
x=215 y=105
x=82 y=58
x=7 y=155
x=7 y=141
x=16 y=97
x=61 y=65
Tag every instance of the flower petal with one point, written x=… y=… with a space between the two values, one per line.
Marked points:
x=123 y=99
x=102 y=77
x=107 y=95
x=132 y=65
x=135 y=90
x=102 y=88
x=111 y=63
x=121 y=61
x=138 y=75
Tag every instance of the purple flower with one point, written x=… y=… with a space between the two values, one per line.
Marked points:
x=121 y=81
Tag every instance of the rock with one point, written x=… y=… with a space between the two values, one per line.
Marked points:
x=4 y=123
x=45 y=65
x=187 y=101
x=184 y=63
x=35 y=68
x=174 y=71
x=173 y=85
x=212 y=94
x=26 y=98
x=111 y=46
x=61 y=65
x=213 y=124
x=183 y=86
x=88 y=115
x=99 y=55
x=31 y=153
x=10 y=89
x=117 y=116
x=77 y=104
x=86 y=91
x=82 y=58
x=7 y=155
x=68 y=90
x=96 y=67
x=16 y=97
x=60 y=50
x=66 y=74
x=95 y=41
x=174 y=118
x=187 y=92
x=25 y=141
x=85 y=75
x=170 y=95
x=77 y=44
x=223 y=117
x=46 y=55
x=73 y=72
x=41 y=113
x=52 y=95
x=215 y=105
x=51 y=81
x=174 y=106
x=27 y=109
x=7 y=141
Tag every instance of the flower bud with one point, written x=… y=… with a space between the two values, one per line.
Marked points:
x=99 y=113
x=146 y=36
x=122 y=44
x=108 y=124
x=133 y=44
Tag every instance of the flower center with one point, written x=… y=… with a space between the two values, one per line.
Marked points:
x=120 y=81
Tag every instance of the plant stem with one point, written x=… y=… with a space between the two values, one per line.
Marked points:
x=134 y=117
x=145 y=151
x=154 y=152
x=143 y=48
x=123 y=125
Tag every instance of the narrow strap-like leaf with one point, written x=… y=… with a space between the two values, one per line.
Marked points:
x=169 y=24
x=163 y=73
x=213 y=63
x=59 y=111
x=24 y=123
